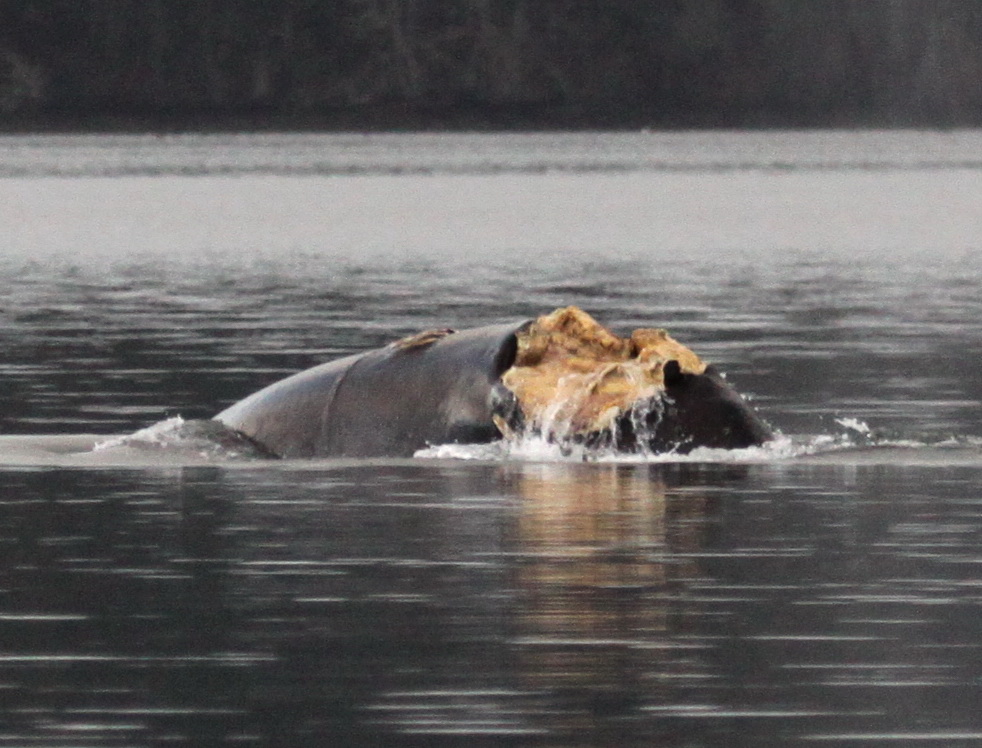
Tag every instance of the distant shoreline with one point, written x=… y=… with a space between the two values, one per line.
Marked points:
x=399 y=117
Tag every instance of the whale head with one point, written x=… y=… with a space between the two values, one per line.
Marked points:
x=570 y=380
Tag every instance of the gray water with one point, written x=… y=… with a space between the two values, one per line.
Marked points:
x=823 y=591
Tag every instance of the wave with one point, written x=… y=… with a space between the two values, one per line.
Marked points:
x=199 y=438
x=179 y=442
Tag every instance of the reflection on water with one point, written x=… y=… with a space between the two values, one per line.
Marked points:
x=512 y=604
x=597 y=561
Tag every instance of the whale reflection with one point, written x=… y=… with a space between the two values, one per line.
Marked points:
x=603 y=552
x=499 y=604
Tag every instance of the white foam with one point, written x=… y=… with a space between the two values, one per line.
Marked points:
x=854 y=424
x=160 y=434
x=177 y=437
x=782 y=448
x=540 y=449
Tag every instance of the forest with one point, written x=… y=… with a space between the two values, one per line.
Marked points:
x=400 y=64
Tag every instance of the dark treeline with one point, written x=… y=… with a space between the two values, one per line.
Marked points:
x=489 y=63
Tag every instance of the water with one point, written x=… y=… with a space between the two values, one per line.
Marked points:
x=824 y=591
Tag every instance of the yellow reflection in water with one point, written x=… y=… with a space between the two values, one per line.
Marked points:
x=604 y=550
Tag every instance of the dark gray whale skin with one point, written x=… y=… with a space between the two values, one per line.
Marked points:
x=391 y=401
x=398 y=399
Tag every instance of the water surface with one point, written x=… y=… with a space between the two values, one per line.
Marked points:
x=823 y=592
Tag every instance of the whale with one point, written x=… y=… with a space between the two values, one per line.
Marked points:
x=562 y=377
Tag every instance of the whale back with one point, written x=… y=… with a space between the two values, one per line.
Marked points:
x=431 y=388
x=562 y=377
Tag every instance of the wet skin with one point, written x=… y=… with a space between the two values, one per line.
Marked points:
x=439 y=388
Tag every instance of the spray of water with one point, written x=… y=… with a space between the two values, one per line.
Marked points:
x=544 y=447
x=199 y=438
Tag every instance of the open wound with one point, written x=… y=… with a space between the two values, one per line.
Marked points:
x=573 y=380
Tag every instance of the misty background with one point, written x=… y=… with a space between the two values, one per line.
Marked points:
x=374 y=64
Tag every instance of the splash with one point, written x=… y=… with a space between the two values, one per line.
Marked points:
x=539 y=448
x=158 y=435
x=201 y=438
x=856 y=437
x=860 y=428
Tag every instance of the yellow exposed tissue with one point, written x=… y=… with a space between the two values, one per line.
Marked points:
x=572 y=375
